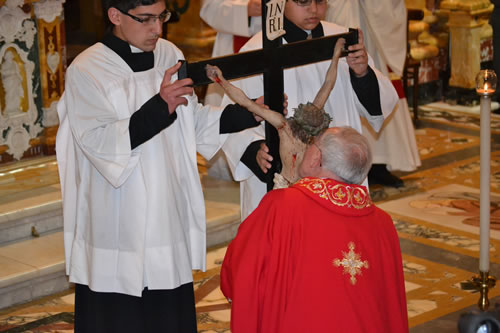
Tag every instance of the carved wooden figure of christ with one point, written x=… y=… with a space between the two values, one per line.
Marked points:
x=297 y=132
x=270 y=61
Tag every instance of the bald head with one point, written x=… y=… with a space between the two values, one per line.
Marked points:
x=340 y=153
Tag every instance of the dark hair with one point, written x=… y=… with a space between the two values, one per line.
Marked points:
x=126 y=5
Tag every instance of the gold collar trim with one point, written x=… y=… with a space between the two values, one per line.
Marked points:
x=342 y=195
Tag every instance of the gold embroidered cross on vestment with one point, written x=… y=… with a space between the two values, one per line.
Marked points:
x=351 y=262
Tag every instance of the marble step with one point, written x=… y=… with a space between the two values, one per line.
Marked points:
x=31 y=216
x=26 y=219
x=31 y=269
x=30 y=199
x=35 y=267
x=222 y=206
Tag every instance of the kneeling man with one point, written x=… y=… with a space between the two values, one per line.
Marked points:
x=318 y=256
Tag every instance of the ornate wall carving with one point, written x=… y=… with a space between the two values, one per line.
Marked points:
x=32 y=73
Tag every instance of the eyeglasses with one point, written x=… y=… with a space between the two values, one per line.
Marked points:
x=150 y=19
x=306 y=3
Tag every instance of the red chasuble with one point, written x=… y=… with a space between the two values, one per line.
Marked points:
x=316 y=257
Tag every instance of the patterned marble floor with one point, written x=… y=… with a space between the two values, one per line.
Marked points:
x=436 y=215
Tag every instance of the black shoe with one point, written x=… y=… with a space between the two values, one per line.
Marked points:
x=379 y=174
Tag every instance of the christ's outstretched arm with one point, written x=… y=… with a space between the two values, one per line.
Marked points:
x=331 y=76
x=237 y=95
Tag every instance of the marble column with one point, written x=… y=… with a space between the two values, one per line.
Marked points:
x=465 y=43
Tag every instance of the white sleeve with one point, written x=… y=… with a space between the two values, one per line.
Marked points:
x=235 y=146
x=96 y=127
x=207 y=127
x=388 y=99
x=228 y=16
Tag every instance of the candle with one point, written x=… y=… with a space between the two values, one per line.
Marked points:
x=484 y=210
x=486 y=89
x=486 y=83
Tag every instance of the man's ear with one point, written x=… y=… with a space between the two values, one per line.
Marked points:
x=316 y=159
x=114 y=16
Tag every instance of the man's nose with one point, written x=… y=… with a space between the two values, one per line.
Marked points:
x=313 y=7
x=158 y=27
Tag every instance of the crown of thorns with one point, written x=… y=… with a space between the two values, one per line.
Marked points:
x=308 y=121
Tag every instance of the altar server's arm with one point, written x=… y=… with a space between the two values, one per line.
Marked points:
x=160 y=111
x=373 y=90
x=229 y=16
x=376 y=96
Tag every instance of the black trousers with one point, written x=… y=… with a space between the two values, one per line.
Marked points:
x=170 y=311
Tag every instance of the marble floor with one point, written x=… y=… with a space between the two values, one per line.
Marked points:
x=435 y=213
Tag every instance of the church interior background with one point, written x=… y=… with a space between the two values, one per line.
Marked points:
x=436 y=212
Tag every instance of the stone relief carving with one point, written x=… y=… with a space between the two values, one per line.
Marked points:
x=19 y=116
x=48 y=10
x=27 y=35
x=11 y=21
x=18 y=125
x=12 y=83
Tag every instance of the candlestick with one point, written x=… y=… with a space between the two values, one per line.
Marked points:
x=486 y=82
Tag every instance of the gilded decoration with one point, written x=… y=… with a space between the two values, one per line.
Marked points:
x=341 y=195
x=467 y=5
x=352 y=263
x=51 y=66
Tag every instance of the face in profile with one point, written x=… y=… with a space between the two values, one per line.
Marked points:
x=141 y=26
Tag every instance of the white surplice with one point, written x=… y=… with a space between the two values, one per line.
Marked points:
x=132 y=218
x=384 y=26
x=301 y=86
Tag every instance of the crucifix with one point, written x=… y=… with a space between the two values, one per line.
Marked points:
x=270 y=61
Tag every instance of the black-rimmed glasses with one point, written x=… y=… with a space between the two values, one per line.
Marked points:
x=305 y=3
x=149 y=19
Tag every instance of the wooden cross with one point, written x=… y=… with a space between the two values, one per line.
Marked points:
x=270 y=61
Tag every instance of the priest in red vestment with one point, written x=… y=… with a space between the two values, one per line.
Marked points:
x=318 y=256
